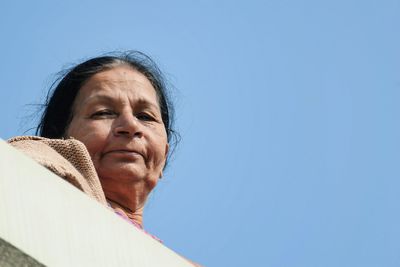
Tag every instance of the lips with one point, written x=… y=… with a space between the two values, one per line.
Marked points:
x=128 y=152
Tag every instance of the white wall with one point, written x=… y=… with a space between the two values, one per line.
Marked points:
x=57 y=225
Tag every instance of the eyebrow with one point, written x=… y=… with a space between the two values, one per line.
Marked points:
x=142 y=102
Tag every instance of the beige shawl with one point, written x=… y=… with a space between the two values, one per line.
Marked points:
x=67 y=158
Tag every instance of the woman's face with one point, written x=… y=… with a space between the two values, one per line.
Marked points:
x=117 y=116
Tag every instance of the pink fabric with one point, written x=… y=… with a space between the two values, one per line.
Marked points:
x=126 y=218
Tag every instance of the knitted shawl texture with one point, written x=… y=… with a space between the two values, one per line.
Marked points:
x=67 y=158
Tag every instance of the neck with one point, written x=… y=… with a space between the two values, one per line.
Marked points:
x=134 y=215
x=129 y=198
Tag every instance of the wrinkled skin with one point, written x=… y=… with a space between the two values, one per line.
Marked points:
x=117 y=116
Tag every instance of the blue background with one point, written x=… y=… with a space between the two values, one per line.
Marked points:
x=288 y=112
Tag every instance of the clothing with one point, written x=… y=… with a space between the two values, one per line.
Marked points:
x=70 y=160
x=67 y=158
x=120 y=212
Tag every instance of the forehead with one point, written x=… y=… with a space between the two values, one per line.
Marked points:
x=118 y=82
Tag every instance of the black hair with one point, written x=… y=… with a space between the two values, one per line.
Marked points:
x=57 y=113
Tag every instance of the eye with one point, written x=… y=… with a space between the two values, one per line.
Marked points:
x=103 y=114
x=144 y=117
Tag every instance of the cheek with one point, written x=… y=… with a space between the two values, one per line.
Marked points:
x=94 y=143
x=159 y=150
x=92 y=135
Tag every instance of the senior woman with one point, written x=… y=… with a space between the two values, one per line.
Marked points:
x=118 y=107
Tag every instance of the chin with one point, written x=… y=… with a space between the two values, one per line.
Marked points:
x=122 y=174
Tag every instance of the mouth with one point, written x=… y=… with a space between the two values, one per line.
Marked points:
x=124 y=152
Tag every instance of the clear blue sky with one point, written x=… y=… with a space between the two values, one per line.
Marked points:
x=288 y=110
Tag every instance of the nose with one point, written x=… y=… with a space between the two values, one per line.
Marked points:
x=127 y=125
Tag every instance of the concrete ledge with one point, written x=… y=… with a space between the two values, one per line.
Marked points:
x=55 y=224
x=10 y=256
